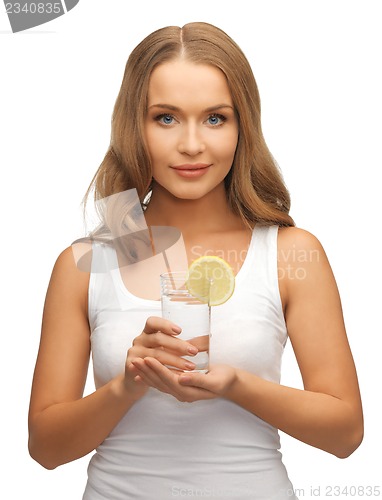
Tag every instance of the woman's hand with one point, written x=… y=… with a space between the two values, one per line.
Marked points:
x=219 y=380
x=159 y=341
x=186 y=387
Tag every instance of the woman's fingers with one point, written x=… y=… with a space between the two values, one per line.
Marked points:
x=159 y=340
x=201 y=343
x=161 y=333
x=149 y=376
x=156 y=323
x=173 y=360
x=166 y=380
x=166 y=357
x=174 y=344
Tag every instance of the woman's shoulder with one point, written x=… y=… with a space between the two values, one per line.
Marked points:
x=72 y=266
x=298 y=248
x=297 y=238
x=75 y=255
x=303 y=266
x=68 y=285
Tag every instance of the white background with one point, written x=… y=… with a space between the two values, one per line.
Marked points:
x=317 y=64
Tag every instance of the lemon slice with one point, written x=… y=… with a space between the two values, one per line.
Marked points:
x=211 y=279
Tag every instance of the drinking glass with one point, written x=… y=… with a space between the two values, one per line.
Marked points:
x=186 y=311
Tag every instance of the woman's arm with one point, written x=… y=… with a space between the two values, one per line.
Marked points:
x=63 y=425
x=327 y=414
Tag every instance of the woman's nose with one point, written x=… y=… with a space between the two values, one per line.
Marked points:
x=191 y=140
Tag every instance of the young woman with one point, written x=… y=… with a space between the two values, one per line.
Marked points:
x=186 y=135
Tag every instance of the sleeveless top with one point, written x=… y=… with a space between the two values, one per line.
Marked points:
x=163 y=448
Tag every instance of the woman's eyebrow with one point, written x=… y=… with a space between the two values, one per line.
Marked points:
x=170 y=107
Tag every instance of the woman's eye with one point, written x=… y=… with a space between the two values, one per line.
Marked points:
x=216 y=119
x=165 y=119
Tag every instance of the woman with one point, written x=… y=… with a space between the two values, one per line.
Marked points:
x=186 y=135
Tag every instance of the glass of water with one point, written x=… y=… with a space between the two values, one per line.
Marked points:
x=186 y=311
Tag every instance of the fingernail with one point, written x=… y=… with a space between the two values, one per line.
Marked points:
x=176 y=329
x=189 y=366
x=185 y=379
x=192 y=349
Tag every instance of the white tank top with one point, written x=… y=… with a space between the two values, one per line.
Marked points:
x=162 y=448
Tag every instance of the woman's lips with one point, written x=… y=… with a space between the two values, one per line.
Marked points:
x=191 y=170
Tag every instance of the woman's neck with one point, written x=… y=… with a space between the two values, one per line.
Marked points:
x=211 y=213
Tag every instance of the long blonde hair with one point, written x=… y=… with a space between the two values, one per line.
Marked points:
x=255 y=187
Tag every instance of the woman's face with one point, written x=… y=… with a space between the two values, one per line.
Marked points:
x=191 y=128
